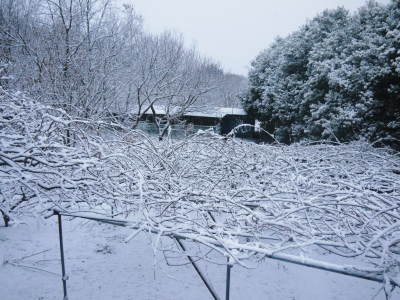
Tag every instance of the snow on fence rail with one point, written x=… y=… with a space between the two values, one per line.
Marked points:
x=371 y=274
x=240 y=199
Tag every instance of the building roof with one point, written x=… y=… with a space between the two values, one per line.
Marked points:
x=207 y=112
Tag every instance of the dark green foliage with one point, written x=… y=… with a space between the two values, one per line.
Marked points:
x=337 y=77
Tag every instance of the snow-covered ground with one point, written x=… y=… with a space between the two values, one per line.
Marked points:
x=328 y=202
x=101 y=265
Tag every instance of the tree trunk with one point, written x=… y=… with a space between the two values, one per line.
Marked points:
x=6 y=218
x=164 y=131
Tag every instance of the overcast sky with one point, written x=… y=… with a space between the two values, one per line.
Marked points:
x=232 y=32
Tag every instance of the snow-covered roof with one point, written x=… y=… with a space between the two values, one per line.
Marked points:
x=209 y=112
x=217 y=112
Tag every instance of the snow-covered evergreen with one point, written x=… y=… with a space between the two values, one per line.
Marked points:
x=337 y=77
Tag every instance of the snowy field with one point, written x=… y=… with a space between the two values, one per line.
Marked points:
x=102 y=266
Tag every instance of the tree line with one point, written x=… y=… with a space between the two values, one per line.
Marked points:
x=336 y=78
x=93 y=59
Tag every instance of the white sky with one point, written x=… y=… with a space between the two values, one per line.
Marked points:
x=232 y=32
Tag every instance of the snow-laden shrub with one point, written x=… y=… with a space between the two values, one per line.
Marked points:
x=48 y=159
x=336 y=78
x=237 y=198
x=254 y=200
x=37 y=166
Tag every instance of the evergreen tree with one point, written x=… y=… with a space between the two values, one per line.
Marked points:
x=337 y=78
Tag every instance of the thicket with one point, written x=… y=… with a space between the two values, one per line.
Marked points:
x=336 y=78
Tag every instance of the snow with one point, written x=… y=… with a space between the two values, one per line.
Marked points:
x=213 y=112
x=315 y=206
x=217 y=112
x=100 y=265
x=334 y=206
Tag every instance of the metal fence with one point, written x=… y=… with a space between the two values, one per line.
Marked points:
x=276 y=256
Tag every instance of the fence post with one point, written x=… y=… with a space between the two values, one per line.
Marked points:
x=203 y=278
x=228 y=279
x=60 y=235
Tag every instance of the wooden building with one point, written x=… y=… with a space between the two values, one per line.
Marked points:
x=221 y=120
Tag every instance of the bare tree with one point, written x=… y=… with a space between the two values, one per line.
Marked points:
x=160 y=73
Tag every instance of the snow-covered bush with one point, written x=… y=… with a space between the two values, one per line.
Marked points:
x=334 y=78
x=37 y=166
x=239 y=199
x=48 y=159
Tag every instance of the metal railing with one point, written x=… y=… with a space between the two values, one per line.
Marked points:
x=316 y=264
